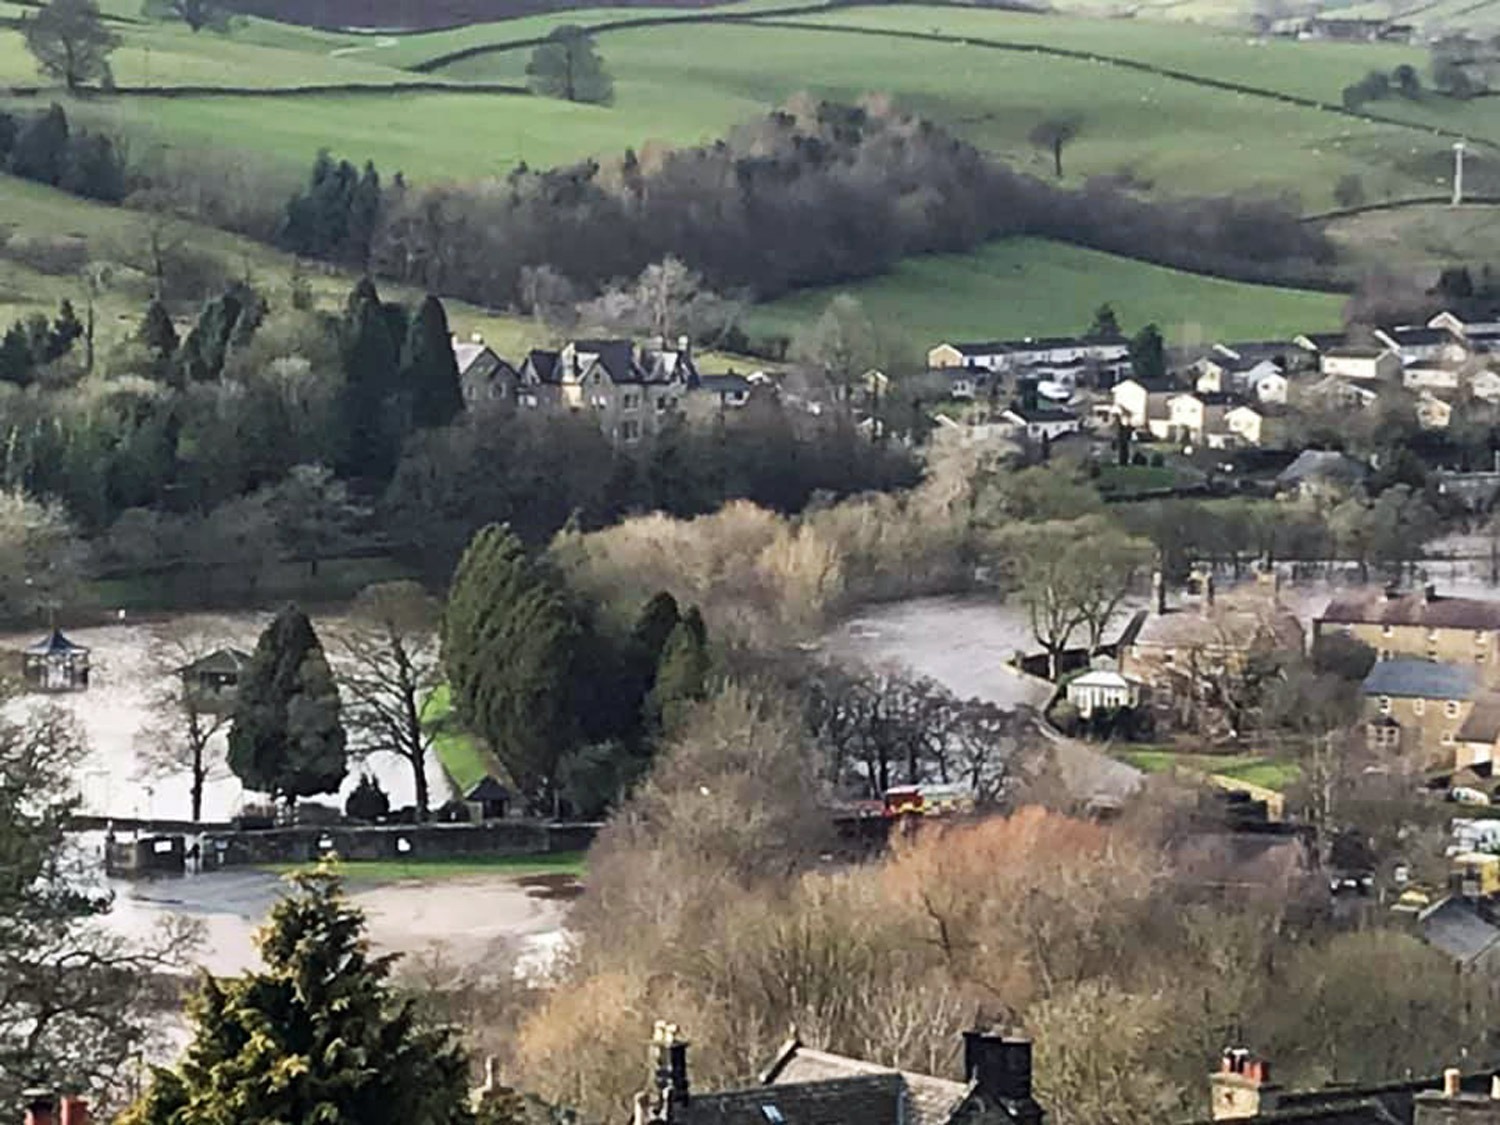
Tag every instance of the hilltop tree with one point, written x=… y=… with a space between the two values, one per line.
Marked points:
x=286 y=738
x=71 y=43
x=197 y=14
x=1148 y=354
x=567 y=66
x=1052 y=135
x=318 y=1034
x=508 y=644
x=390 y=667
x=429 y=371
x=1105 y=322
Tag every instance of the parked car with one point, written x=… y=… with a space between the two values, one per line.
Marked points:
x=1463 y=795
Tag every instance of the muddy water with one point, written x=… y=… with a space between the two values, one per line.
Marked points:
x=116 y=708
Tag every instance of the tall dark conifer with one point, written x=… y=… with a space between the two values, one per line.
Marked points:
x=372 y=439
x=429 y=372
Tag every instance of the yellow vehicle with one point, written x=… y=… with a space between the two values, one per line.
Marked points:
x=1476 y=874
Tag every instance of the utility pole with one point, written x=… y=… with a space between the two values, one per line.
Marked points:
x=1458 y=172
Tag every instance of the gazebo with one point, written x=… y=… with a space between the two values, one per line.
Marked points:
x=55 y=664
x=211 y=682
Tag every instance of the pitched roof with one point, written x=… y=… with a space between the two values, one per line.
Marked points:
x=728 y=384
x=1459 y=930
x=925 y=1100
x=1355 y=352
x=1483 y=723
x=1414 y=678
x=1322 y=464
x=465 y=353
x=1040 y=414
x=1162 y=386
x=1320 y=341
x=988 y=347
x=487 y=789
x=859 y=1099
x=542 y=364
x=226 y=661
x=1215 y=398
x=1417 y=336
x=54 y=644
x=1048 y=343
x=1236 y=620
x=617 y=357
x=1373 y=606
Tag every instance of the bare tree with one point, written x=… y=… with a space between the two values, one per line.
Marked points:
x=1052 y=134
x=387 y=663
x=186 y=717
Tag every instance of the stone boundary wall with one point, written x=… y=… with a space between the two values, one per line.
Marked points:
x=394 y=842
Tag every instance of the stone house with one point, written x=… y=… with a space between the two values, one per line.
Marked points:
x=632 y=392
x=802 y=1086
x=484 y=376
x=1419 y=706
x=1424 y=624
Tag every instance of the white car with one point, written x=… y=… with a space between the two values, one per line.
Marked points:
x=1466 y=796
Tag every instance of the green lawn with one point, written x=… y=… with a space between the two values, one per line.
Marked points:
x=1253 y=769
x=1021 y=287
x=467 y=762
x=387 y=871
x=1137 y=478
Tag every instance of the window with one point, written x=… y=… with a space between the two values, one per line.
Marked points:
x=1383 y=654
x=1385 y=705
x=529 y=400
x=1432 y=636
x=1451 y=709
x=1447 y=738
x=1386 y=631
x=630 y=431
x=1418 y=706
x=599 y=402
x=631 y=401
x=1479 y=636
x=1479 y=658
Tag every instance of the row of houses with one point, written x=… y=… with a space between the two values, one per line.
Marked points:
x=632 y=390
x=1232 y=395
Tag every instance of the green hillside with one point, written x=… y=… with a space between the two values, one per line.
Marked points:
x=1026 y=286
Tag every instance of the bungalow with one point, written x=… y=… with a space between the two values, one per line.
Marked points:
x=1415 y=343
x=1464 y=329
x=1042 y=423
x=1317 y=343
x=1419 y=706
x=1142 y=404
x=1367 y=365
x=990 y=356
x=1260 y=379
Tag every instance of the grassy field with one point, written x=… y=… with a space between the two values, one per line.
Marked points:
x=114 y=237
x=1420 y=237
x=1020 y=287
x=572 y=864
x=1253 y=769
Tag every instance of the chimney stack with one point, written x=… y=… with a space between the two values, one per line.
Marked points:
x=1159 y=592
x=1242 y=1087
x=1000 y=1069
x=41 y=1107
x=1429 y=593
x=1452 y=1082
x=669 y=1054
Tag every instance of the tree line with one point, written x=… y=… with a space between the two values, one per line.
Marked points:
x=46 y=149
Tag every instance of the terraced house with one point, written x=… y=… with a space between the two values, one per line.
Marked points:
x=1422 y=624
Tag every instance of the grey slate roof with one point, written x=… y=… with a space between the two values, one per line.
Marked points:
x=729 y=384
x=1483 y=723
x=858 y=1099
x=226 y=661
x=924 y=1100
x=1456 y=927
x=1372 y=607
x=54 y=644
x=1411 y=678
x=1322 y=464
x=487 y=789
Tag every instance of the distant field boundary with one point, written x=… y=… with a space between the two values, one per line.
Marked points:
x=1400 y=205
x=777 y=18
x=353 y=89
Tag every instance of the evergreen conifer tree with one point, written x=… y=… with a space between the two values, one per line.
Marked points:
x=429 y=371
x=286 y=738
x=318 y=1034
x=157 y=331
x=509 y=650
x=371 y=359
x=17 y=364
x=66 y=331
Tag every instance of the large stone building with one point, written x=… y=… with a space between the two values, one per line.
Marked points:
x=1419 y=707
x=802 y=1086
x=1423 y=624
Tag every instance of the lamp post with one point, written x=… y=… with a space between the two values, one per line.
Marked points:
x=1458 y=172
